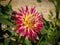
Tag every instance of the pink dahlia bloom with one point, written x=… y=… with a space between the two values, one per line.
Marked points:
x=29 y=23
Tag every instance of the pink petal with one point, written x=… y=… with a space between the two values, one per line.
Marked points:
x=18 y=22
x=26 y=8
x=31 y=36
x=20 y=10
x=16 y=12
x=21 y=32
x=38 y=31
x=26 y=33
x=17 y=28
x=32 y=9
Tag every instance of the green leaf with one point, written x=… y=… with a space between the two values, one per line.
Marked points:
x=52 y=36
x=51 y=40
x=58 y=5
x=57 y=35
x=1 y=43
x=44 y=31
x=19 y=40
x=4 y=17
x=51 y=13
x=52 y=1
x=27 y=42
x=38 y=0
x=44 y=43
x=40 y=40
x=8 y=10
x=4 y=21
x=57 y=8
x=9 y=28
x=6 y=41
x=13 y=43
x=58 y=22
x=46 y=24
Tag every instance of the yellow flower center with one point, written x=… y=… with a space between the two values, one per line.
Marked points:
x=30 y=21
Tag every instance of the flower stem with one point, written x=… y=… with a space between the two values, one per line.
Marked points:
x=57 y=14
x=40 y=40
x=9 y=2
x=0 y=26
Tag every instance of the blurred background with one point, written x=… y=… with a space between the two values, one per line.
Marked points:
x=44 y=7
x=50 y=34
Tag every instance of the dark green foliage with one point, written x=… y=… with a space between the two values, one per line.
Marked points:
x=53 y=1
x=6 y=41
x=46 y=23
x=38 y=0
x=44 y=43
x=5 y=14
x=5 y=19
x=58 y=22
x=51 y=31
x=27 y=42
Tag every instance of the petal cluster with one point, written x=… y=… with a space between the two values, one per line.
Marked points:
x=29 y=23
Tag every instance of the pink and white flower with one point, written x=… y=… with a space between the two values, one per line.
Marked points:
x=29 y=23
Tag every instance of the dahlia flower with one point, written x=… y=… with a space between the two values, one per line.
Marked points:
x=29 y=23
